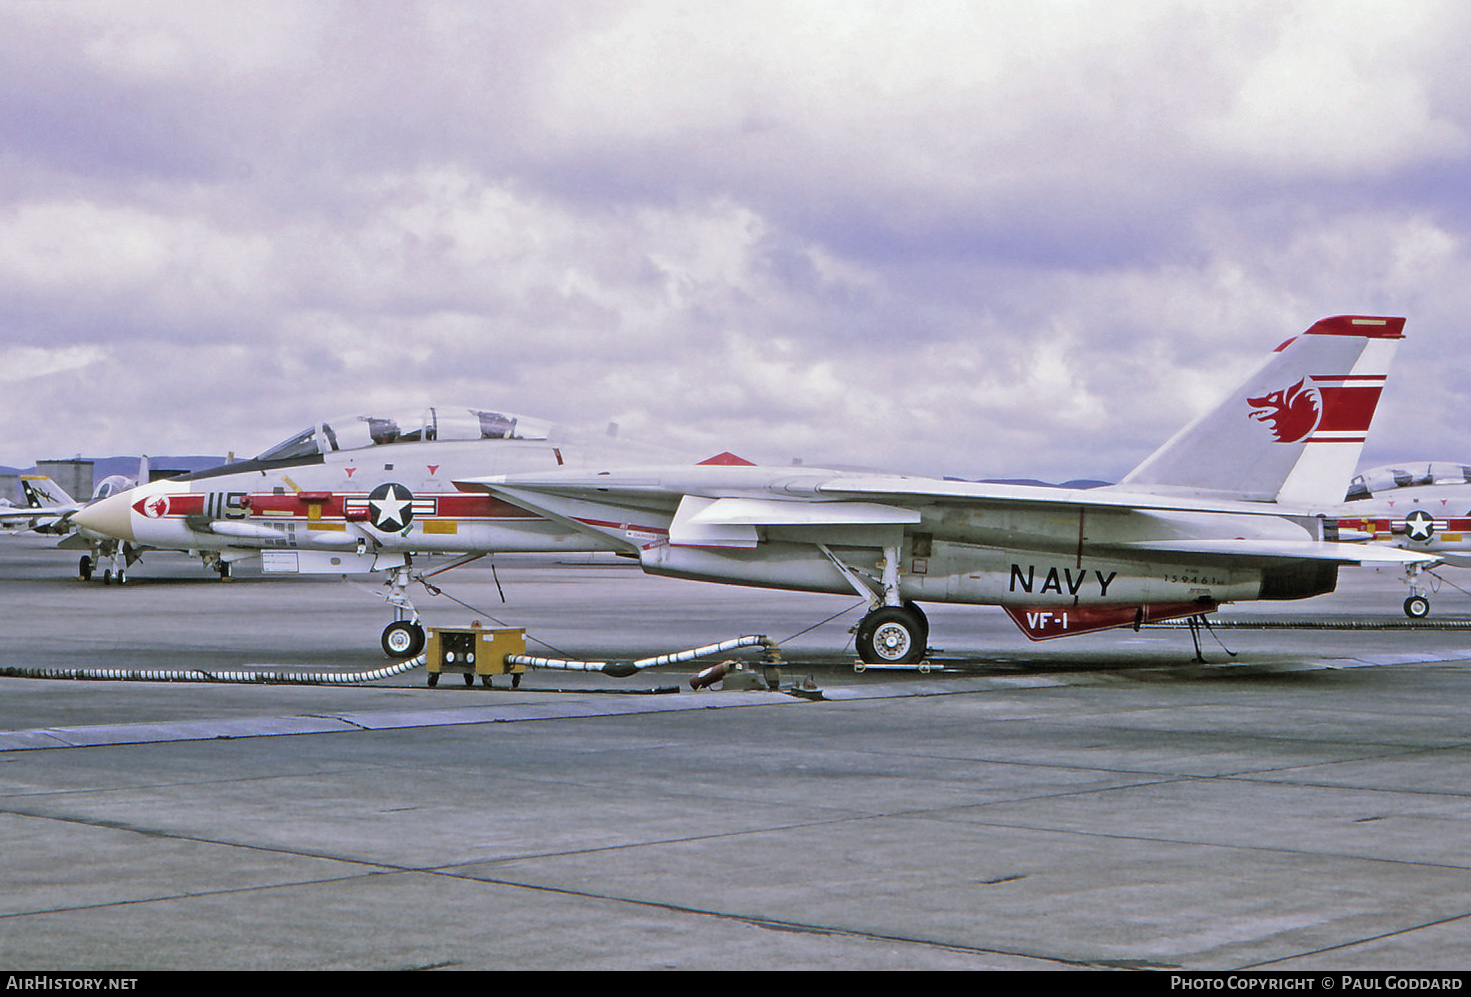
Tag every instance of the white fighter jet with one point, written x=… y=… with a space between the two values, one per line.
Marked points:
x=47 y=506
x=1223 y=512
x=49 y=509
x=1420 y=506
x=364 y=493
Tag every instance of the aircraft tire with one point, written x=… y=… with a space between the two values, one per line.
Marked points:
x=84 y=568
x=893 y=635
x=403 y=640
x=1417 y=607
x=924 y=621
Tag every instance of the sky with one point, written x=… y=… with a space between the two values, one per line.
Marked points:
x=974 y=239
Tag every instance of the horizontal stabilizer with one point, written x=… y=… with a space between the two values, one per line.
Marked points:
x=1275 y=549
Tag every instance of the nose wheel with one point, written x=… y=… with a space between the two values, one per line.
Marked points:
x=403 y=639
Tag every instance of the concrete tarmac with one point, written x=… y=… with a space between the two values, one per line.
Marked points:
x=1096 y=802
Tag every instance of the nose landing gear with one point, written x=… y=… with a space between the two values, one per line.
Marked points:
x=403 y=638
x=1417 y=606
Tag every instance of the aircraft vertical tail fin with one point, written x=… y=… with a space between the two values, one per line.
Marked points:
x=1293 y=431
x=43 y=493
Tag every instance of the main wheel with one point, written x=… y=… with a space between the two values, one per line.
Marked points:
x=922 y=619
x=84 y=568
x=403 y=640
x=1417 y=607
x=891 y=636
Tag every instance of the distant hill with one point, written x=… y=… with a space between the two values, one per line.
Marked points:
x=103 y=467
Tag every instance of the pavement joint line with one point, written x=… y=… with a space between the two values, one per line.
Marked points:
x=1234 y=846
x=777 y=924
x=359 y=721
x=378 y=868
x=1359 y=941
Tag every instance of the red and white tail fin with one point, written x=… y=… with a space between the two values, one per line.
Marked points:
x=1293 y=431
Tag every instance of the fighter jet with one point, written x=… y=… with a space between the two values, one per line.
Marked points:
x=1421 y=506
x=1223 y=512
x=51 y=510
x=364 y=493
x=47 y=505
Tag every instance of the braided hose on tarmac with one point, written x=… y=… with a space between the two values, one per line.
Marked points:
x=201 y=675
x=622 y=669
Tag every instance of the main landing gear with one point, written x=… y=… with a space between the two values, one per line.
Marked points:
x=117 y=567
x=893 y=635
x=894 y=632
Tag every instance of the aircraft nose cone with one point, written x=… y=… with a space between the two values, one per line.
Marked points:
x=112 y=517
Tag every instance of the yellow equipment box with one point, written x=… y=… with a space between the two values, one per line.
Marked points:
x=474 y=651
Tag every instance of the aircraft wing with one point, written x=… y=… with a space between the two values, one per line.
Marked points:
x=936 y=491
x=20 y=518
x=781 y=491
x=738 y=507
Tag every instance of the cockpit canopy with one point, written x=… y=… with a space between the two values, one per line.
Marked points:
x=1379 y=480
x=384 y=429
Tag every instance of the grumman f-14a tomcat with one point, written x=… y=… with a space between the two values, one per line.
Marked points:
x=364 y=493
x=1421 y=506
x=1223 y=512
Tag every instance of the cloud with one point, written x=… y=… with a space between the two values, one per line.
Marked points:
x=961 y=238
x=26 y=363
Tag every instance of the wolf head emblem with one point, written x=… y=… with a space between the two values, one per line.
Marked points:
x=1292 y=413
